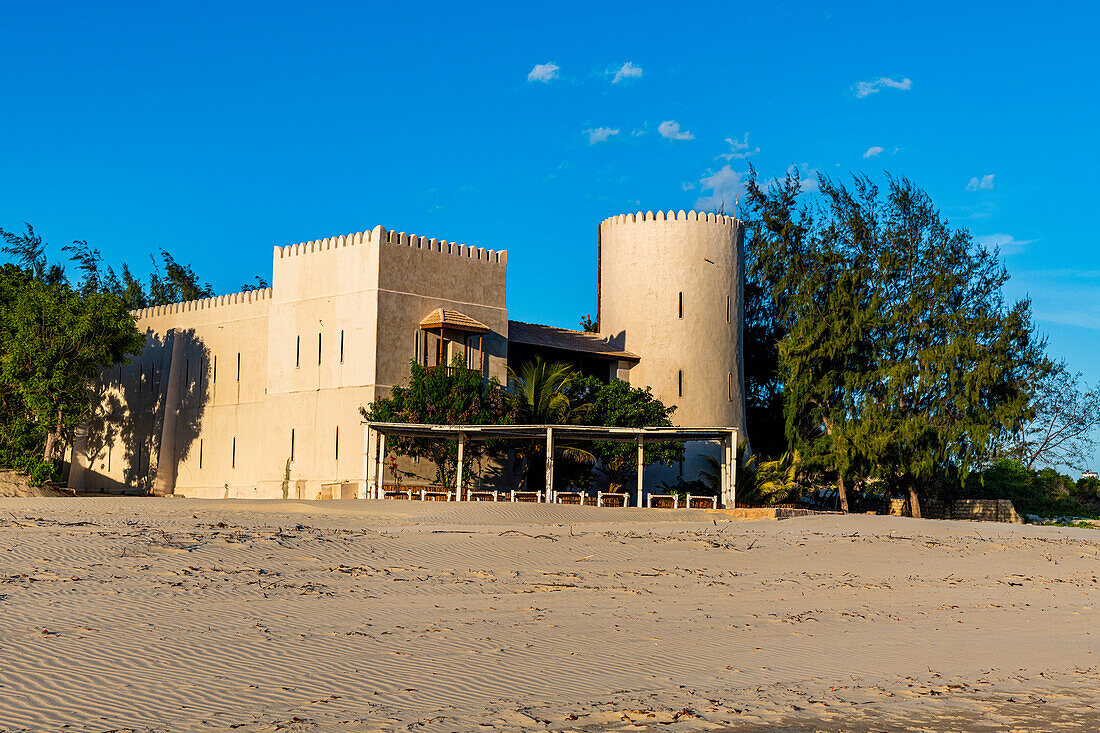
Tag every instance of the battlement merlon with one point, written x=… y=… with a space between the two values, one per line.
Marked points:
x=648 y=216
x=245 y=297
x=380 y=235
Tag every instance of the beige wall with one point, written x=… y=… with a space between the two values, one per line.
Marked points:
x=646 y=262
x=369 y=289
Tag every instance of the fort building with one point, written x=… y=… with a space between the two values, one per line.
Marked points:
x=257 y=394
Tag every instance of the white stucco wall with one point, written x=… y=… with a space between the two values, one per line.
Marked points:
x=647 y=263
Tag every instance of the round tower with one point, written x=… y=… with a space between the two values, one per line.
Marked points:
x=671 y=286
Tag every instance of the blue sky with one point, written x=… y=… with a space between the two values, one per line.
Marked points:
x=217 y=130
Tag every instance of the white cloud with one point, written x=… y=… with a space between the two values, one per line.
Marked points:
x=599 y=134
x=873 y=151
x=807 y=178
x=725 y=187
x=688 y=186
x=985 y=183
x=866 y=88
x=671 y=130
x=739 y=148
x=543 y=72
x=1066 y=296
x=1006 y=244
x=627 y=71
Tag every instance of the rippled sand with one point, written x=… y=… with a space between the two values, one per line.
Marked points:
x=187 y=615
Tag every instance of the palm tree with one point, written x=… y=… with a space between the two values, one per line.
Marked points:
x=769 y=482
x=540 y=390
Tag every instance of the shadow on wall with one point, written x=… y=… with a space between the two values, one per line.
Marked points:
x=125 y=431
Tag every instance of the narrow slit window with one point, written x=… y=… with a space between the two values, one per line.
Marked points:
x=298 y=352
x=341 y=346
x=292 y=444
x=727 y=309
x=680 y=383
x=681 y=304
x=233 y=457
x=318 y=348
x=337 y=442
x=729 y=385
x=108 y=459
x=200 y=452
x=238 y=366
x=214 y=373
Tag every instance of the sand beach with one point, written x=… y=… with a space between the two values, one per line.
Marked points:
x=190 y=615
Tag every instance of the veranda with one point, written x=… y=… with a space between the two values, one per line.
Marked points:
x=375 y=434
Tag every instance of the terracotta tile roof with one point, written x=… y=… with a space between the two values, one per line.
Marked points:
x=447 y=318
x=535 y=334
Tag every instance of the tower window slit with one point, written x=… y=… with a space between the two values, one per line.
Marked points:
x=238 y=366
x=292 y=444
x=214 y=372
x=318 y=349
x=200 y=452
x=298 y=352
x=681 y=304
x=337 y=442
x=727 y=309
x=680 y=383
x=233 y=457
x=341 y=346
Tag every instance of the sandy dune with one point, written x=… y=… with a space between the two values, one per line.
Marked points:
x=186 y=615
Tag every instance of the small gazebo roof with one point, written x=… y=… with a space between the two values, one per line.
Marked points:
x=448 y=318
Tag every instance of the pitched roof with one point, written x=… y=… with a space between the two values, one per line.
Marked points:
x=535 y=334
x=447 y=318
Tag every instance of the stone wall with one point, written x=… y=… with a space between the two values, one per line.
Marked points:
x=980 y=510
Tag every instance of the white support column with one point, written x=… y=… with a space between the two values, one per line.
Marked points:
x=733 y=468
x=368 y=464
x=549 y=465
x=461 y=453
x=724 y=479
x=380 y=473
x=641 y=468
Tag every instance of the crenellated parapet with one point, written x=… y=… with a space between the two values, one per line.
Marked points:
x=681 y=215
x=382 y=236
x=217 y=301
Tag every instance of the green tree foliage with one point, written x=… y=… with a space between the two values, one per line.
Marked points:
x=176 y=284
x=56 y=338
x=442 y=396
x=896 y=354
x=1044 y=492
x=541 y=395
x=53 y=343
x=618 y=404
x=588 y=325
x=258 y=283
